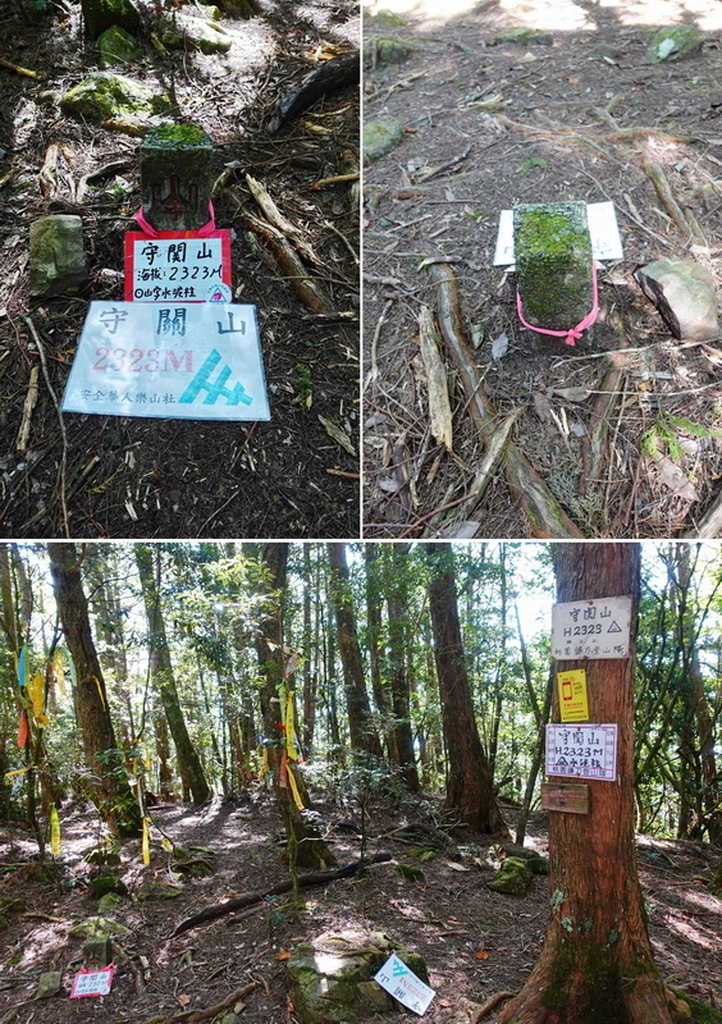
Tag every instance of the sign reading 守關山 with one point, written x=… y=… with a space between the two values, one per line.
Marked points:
x=582 y=751
x=591 y=629
x=197 y=361
x=178 y=266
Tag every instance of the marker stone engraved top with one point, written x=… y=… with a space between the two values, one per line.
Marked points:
x=591 y=629
x=196 y=361
x=401 y=982
x=582 y=751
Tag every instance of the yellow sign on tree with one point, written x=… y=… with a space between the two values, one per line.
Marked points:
x=573 y=704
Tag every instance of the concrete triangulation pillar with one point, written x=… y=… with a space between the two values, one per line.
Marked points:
x=175 y=177
x=554 y=265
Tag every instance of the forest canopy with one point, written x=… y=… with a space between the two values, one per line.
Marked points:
x=188 y=694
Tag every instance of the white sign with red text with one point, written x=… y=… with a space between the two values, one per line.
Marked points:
x=197 y=361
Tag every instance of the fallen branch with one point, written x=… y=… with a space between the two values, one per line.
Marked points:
x=31 y=398
x=20 y=70
x=437 y=387
x=600 y=415
x=254 y=898
x=330 y=76
x=541 y=508
x=297 y=275
x=686 y=223
x=274 y=216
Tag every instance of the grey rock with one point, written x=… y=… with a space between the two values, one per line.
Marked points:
x=380 y=137
x=684 y=293
x=331 y=977
x=116 y=46
x=49 y=984
x=674 y=43
x=103 y=96
x=187 y=31
x=57 y=254
x=513 y=877
x=101 y=14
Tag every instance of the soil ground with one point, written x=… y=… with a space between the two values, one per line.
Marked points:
x=123 y=477
x=487 y=127
x=475 y=942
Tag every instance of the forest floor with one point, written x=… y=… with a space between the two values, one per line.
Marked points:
x=623 y=430
x=475 y=942
x=107 y=476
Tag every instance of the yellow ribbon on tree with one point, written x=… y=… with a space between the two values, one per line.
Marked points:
x=145 y=842
x=291 y=749
x=36 y=692
x=59 y=670
x=294 y=788
x=54 y=831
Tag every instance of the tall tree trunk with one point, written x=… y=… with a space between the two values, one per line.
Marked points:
x=305 y=847
x=399 y=642
x=469 y=790
x=363 y=735
x=190 y=768
x=597 y=962
x=375 y=647
x=107 y=782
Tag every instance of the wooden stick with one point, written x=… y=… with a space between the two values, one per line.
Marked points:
x=275 y=217
x=541 y=508
x=21 y=71
x=31 y=398
x=437 y=387
x=290 y=263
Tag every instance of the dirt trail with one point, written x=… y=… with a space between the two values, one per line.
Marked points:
x=628 y=443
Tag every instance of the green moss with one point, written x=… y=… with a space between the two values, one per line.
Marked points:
x=553 y=251
x=701 y=1013
x=176 y=136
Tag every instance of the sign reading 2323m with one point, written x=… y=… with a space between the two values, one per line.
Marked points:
x=171 y=360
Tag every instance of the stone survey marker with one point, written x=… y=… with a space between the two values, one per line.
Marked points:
x=177 y=347
x=555 y=250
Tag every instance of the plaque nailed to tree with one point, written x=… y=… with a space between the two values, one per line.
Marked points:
x=596 y=964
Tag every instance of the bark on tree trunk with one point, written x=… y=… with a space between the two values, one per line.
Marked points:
x=107 y=782
x=469 y=790
x=305 y=847
x=363 y=735
x=161 y=667
x=596 y=966
x=399 y=642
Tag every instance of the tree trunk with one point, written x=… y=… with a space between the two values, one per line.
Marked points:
x=305 y=847
x=363 y=735
x=469 y=790
x=596 y=966
x=107 y=781
x=161 y=668
x=399 y=643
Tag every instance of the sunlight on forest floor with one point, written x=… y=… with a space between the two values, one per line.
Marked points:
x=573 y=14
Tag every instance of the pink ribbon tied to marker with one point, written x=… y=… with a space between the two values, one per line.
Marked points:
x=574 y=333
x=203 y=232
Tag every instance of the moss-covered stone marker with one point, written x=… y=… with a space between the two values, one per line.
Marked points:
x=175 y=177
x=57 y=254
x=554 y=265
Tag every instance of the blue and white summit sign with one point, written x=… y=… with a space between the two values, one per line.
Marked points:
x=176 y=360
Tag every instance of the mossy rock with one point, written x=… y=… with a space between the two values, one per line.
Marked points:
x=386 y=49
x=674 y=43
x=380 y=137
x=155 y=889
x=331 y=977
x=524 y=36
x=97 y=927
x=49 y=984
x=116 y=46
x=514 y=877
x=389 y=19
x=110 y=902
x=101 y=14
x=56 y=254
x=103 y=96
x=188 y=32
x=107 y=883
